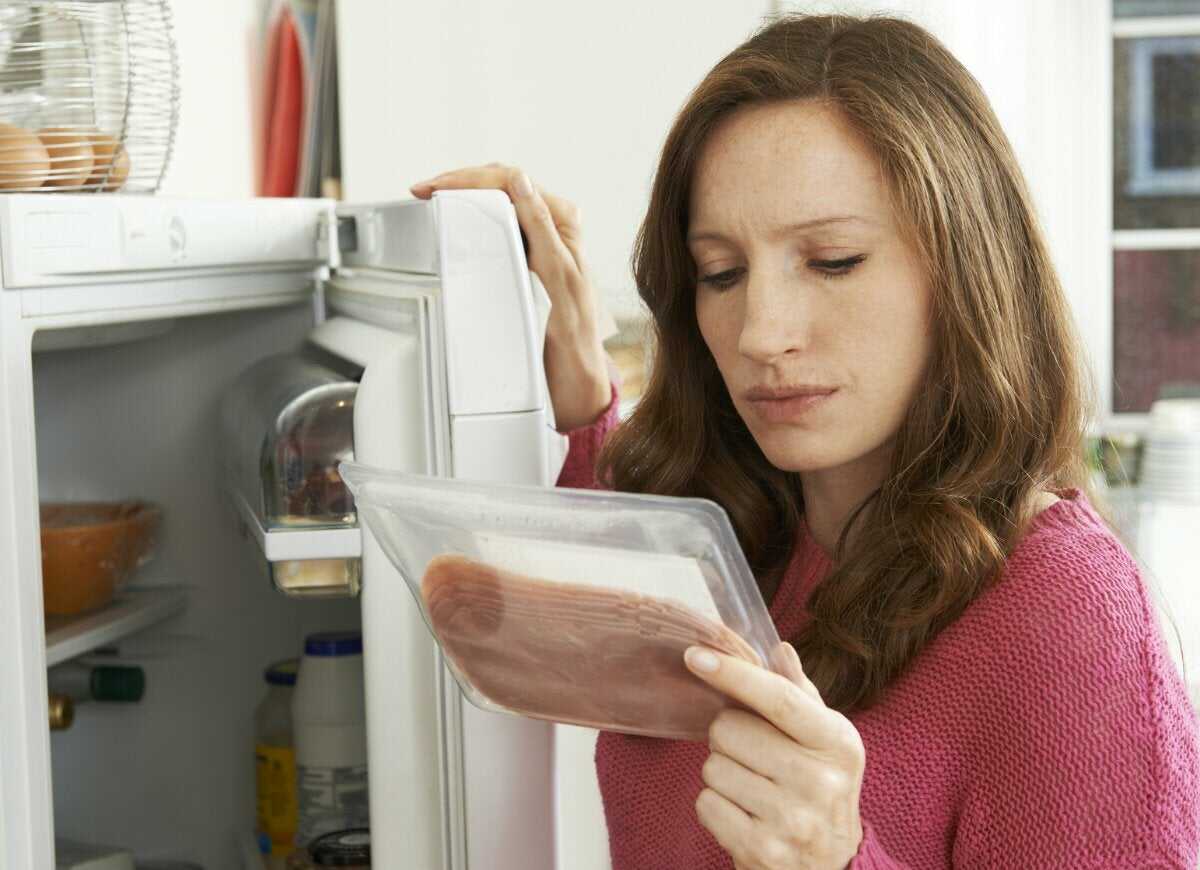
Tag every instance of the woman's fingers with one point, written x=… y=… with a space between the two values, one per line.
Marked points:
x=746 y=788
x=730 y=825
x=548 y=252
x=576 y=369
x=569 y=224
x=799 y=714
x=785 y=661
x=498 y=176
x=740 y=735
x=550 y=223
x=473 y=177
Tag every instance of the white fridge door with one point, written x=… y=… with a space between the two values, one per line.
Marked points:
x=434 y=300
x=83 y=271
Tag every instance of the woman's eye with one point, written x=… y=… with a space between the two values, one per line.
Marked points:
x=827 y=268
x=837 y=268
x=722 y=280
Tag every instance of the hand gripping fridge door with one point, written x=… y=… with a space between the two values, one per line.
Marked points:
x=454 y=387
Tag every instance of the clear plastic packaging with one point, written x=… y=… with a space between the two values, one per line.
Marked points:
x=569 y=605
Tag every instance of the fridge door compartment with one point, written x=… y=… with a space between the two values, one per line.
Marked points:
x=281 y=545
x=286 y=423
x=321 y=562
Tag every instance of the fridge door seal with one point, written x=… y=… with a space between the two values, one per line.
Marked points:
x=388 y=323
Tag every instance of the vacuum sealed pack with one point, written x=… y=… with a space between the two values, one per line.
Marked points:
x=569 y=605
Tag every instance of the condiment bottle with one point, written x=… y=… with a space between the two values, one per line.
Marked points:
x=329 y=723
x=112 y=683
x=275 y=761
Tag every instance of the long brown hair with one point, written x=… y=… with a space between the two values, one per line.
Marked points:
x=1003 y=413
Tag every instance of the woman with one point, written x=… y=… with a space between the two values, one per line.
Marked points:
x=865 y=356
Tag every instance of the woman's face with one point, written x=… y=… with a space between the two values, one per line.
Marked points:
x=811 y=301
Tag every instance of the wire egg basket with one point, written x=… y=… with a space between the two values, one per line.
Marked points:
x=89 y=95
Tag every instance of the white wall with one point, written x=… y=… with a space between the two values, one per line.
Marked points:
x=214 y=146
x=580 y=96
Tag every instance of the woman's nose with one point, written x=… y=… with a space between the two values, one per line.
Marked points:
x=773 y=323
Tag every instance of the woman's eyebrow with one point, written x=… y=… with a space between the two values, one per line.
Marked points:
x=787 y=229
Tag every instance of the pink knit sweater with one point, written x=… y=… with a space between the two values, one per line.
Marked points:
x=1045 y=728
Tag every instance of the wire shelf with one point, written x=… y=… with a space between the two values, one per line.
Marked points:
x=89 y=95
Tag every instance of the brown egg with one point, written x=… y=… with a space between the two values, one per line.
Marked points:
x=71 y=155
x=108 y=152
x=24 y=161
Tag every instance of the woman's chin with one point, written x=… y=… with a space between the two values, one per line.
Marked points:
x=787 y=452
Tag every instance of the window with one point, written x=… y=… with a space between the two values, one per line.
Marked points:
x=1163 y=107
x=1156 y=202
x=1146 y=8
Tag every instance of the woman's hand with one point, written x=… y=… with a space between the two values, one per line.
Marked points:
x=576 y=365
x=784 y=777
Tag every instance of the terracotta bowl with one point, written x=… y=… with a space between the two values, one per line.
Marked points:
x=89 y=548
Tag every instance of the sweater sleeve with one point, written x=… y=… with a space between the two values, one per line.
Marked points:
x=1090 y=760
x=584 y=443
x=871 y=854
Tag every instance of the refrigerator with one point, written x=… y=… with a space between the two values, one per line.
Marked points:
x=124 y=321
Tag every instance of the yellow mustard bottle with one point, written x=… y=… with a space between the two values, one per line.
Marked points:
x=275 y=761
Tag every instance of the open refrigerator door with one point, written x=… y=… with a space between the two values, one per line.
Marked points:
x=459 y=788
x=124 y=324
x=431 y=310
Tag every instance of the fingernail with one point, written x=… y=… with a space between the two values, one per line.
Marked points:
x=522 y=186
x=422 y=184
x=701 y=660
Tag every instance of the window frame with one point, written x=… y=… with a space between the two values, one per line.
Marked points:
x=1145 y=179
x=1100 y=337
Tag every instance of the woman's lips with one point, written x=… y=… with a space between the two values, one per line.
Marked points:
x=787 y=408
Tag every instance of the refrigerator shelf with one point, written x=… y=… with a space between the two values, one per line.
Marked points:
x=133 y=610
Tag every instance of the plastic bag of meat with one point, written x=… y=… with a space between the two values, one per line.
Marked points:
x=573 y=606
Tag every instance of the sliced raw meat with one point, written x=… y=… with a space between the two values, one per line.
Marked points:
x=575 y=653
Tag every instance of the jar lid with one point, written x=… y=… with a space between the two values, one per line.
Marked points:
x=334 y=643
x=348 y=848
x=282 y=673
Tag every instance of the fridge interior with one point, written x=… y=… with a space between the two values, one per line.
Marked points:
x=173 y=775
